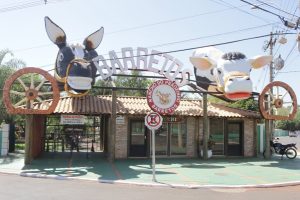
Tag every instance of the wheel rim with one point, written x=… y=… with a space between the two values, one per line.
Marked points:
x=291 y=153
x=27 y=92
x=275 y=98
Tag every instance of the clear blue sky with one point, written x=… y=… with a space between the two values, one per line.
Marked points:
x=152 y=24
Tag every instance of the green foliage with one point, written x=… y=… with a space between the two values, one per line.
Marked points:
x=99 y=91
x=7 y=69
x=132 y=82
x=290 y=125
x=247 y=104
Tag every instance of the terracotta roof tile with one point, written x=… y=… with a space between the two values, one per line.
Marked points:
x=138 y=106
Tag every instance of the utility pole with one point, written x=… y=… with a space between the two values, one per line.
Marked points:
x=269 y=123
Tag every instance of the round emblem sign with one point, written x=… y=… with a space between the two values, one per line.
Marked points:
x=153 y=121
x=163 y=96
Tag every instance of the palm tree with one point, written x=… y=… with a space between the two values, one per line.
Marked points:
x=7 y=68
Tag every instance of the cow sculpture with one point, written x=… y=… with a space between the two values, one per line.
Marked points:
x=73 y=68
x=225 y=73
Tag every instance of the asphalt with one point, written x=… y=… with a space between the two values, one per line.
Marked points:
x=170 y=172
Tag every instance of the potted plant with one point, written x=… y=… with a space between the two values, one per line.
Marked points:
x=210 y=144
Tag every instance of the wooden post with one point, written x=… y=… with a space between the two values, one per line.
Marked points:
x=28 y=138
x=112 y=135
x=205 y=125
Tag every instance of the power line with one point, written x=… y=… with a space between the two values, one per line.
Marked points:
x=284 y=21
x=264 y=3
x=241 y=10
x=28 y=4
x=193 y=48
x=139 y=27
x=193 y=39
x=219 y=34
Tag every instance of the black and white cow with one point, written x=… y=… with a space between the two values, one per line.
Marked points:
x=73 y=66
x=228 y=73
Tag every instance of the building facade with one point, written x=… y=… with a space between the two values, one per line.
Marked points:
x=232 y=131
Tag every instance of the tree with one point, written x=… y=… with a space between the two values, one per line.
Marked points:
x=133 y=82
x=246 y=104
x=290 y=125
x=7 y=69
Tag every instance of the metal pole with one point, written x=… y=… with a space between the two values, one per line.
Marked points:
x=153 y=156
x=205 y=126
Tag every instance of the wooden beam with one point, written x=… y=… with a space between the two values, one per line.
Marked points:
x=28 y=138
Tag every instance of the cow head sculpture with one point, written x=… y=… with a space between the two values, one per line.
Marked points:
x=228 y=73
x=73 y=66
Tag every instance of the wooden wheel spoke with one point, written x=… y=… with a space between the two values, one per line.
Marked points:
x=17 y=93
x=39 y=99
x=277 y=92
x=270 y=93
x=287 y=102
x=31 y=81
x=269 y=110
x=40 y=85
x=284 y=95
x=23 y=84
x=45 y=93
x=20 y=102
x=31 y=103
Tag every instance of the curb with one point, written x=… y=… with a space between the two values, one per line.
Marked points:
x=158 y=184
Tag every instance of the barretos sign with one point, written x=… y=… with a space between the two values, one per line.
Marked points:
x=153 y=61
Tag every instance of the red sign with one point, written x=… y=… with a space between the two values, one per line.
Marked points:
x=153 y=121
x=163 y=96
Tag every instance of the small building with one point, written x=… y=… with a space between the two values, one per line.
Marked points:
x=89 y=128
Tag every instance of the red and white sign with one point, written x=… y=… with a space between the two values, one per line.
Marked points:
x=153 y=121
x=163 y=96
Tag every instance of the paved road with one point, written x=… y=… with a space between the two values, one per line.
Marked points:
x=14 y=187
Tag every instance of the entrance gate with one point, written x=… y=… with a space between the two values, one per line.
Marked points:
x=89 y=137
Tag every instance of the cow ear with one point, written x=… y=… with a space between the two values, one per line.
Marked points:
x=93 y=41
x=201 y=62
x=55 y=33
x=260 y=61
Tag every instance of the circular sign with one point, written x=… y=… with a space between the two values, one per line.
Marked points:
x=163 y=96
x=153 y=121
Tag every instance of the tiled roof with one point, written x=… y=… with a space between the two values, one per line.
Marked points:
x=138 y=106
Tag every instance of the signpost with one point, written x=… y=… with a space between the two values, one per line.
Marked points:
x=163 y=97
x=153 y=121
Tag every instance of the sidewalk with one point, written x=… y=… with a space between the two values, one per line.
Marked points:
x=192 y=173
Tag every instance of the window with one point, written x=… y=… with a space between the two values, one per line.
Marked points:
x=217 y=135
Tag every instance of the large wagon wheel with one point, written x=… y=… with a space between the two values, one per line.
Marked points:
x=275 y=99
x=29 y=90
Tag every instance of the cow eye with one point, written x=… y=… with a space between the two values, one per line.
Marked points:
x=219 y=71
x=212 y=71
